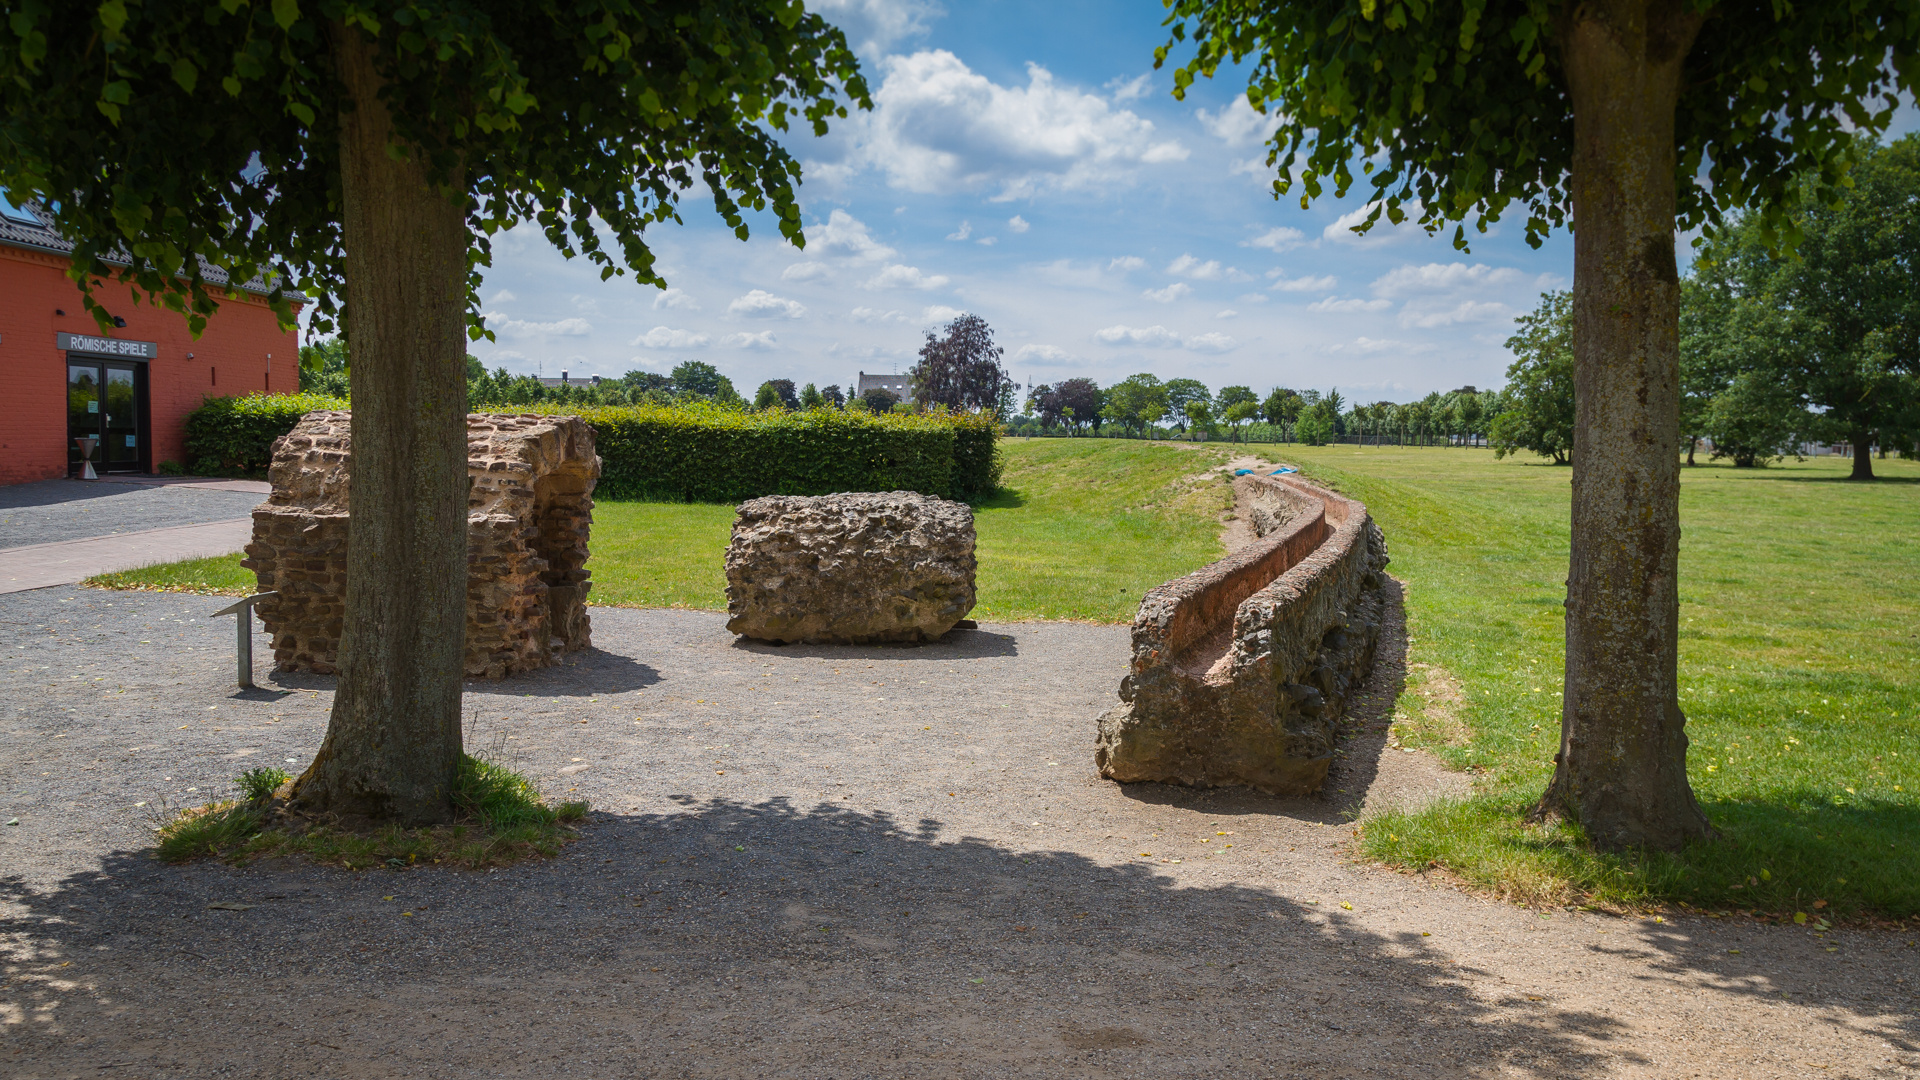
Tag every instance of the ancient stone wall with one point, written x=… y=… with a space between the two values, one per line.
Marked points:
x=529 y=515
x=1241 y=669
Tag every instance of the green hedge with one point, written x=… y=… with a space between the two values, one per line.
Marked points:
x=233 y=436
x=686 y=453
x=699 y=453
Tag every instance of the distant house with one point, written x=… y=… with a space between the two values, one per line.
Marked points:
x=897 y=385
x=124 y=392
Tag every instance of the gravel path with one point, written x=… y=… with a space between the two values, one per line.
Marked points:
x=819 y=862
x=55 y=510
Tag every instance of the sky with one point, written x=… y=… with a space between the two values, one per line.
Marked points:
x=1025 y=163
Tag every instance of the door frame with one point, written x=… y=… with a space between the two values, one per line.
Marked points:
x=143 y=408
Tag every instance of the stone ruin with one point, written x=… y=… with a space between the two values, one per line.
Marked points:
x=850 y=568
x=529 y=513
x=1241 y=669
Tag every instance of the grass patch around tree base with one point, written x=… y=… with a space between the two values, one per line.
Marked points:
x=216 y=575
x=502 y=819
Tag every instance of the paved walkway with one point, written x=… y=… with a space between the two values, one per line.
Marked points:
x=56 y=510
x=64 y=562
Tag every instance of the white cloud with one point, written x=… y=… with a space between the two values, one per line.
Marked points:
x=1152 y=336
x=1045 y=356
x=654 y=362
x=872 y=26
x=1159 y=337
x=667 y=337
x=1353 y=304
x=515 y=328
x=1127 y=262
x=875 y=315
x=1368 y=345
x=897 y=276
x=1466 y=311
x=1125 y=89
x=1229 y=313
x=1238 y=125
x=503 y=296
x=845 y=237
x=804 y=271
x=1169 y=294
x=1277 y=239
x=939 y=313
x=987 y=241
x=760 y=304
x=1018 y=224
x=1440 y=277
x=764 y=339
x=675 y=298
x=1188 y=266
x=938 y=127
x=1304 y=284
x=965 y=230
x=586 y=305
x=1211 y=343
x=1383 y=231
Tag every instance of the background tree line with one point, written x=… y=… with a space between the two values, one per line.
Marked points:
x=1779 y=347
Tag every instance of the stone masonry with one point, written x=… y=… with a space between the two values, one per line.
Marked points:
x=850 y=568
x=529 y=514
x=1242 y=669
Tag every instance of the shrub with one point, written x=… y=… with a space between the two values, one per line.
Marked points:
x=700 y=453
x=233 y=436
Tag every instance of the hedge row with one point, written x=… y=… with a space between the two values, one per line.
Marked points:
x=233 y=436
x=686 y=453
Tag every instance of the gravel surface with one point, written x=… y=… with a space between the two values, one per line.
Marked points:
x=819 y=862
x=54 y=510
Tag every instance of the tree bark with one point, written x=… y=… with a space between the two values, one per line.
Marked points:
x=393 y=742
x=1622 y=767
x=1862 y=455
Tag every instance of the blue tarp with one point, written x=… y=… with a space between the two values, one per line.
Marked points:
x=1277 y=472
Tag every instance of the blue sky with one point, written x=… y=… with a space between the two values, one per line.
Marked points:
x=1024 y=162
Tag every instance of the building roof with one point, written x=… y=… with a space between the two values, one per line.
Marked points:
x=31 y=227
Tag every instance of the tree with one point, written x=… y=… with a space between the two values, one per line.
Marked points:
x=879 y=401
x=1238 y=414
x=1315 y=427
x=961 y=369
x=1080 y=401
x=1282 y=407
x=1539 y=413
x=647 y=382
x=1182 y=394
x=1200 y=416
x=1737 y=348
x=1855 y=290
x=1332 y=404
x=1136 y=403
x=810 y=397
x=1229 y=396
x=697 y=378
x=1616 y=107
x=362 y=154
x=776 y=392
x=324 y=367
x=832 y=396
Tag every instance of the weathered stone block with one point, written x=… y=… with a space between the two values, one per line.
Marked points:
x=529 y=516
x=850 y=568
x=1241 y=669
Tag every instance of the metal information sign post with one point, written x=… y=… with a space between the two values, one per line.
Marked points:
x=243 y=612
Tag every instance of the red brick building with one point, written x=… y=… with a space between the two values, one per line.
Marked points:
x=130 y=389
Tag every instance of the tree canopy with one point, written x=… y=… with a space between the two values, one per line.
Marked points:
x=167 y=138
x=1539 y=402
x=960 y=368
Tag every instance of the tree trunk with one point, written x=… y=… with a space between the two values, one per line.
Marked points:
x=1862 y=455
x=1622 y=767
x=393 y=743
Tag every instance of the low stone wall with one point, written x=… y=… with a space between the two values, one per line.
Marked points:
x=529 y=516
x=1241 y=669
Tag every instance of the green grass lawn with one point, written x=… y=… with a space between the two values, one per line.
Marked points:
x=1799 y=673
x=217 y=575
x=1080 y=530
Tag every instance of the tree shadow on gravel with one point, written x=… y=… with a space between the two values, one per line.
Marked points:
x=748 y=940
x=586 y=673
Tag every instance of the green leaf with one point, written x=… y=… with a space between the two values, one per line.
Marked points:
x=113 y=16
x=301 y=110
x=185 y=74
x=286 y=13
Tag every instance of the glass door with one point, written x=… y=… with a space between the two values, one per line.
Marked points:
x=104 y=417
x=120 y=420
